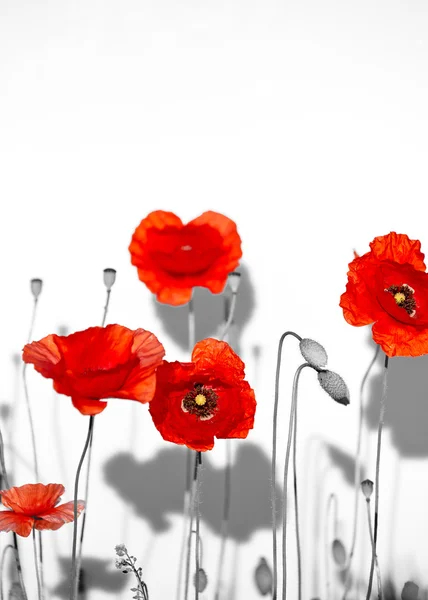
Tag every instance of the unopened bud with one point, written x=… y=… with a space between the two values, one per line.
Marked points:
x=234 y=280
x=109 y=278
x=410 y=591
x=339 y=553
x=367 y=488
x=313 y=353
x=333 y=384
x=36 y=287
x=263 y=577
x=200 y=579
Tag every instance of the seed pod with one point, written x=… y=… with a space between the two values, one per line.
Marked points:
x=367 y=488
x=201 y=580
x=109 y=278
x=234 y=280
x=339 y=553
x=263 y=577
x=333 y=384
x=313 y=353
x=36 y=287
x=410 y=591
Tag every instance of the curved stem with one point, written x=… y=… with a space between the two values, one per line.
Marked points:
x=31 y=421
x=230 y=317
x=332 y=498
x=379 y=582
x=74 y=571
x=36 y=563
x=103 y=322
x=197 y=516
x=296 y=506
x=357 y=475
x=284 y=494
x=379 y=445
x=191 y=517
x=3 y=557
x=273 y=469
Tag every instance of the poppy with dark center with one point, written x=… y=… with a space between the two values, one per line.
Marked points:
x=206 y=398
x=388 y=286
x=99 y=363
x=34 y=506
x=172 y=258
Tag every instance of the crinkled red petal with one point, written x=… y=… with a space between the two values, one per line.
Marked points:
x=32 y=498
x=19 y=523
x=399 y=248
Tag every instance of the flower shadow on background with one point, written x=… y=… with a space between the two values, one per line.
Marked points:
x=97 y=575
x=209 y=312
x=407 y=405
x=155 y=489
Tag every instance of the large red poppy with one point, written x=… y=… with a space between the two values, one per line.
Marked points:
x=388 y=286
x=98 y=363
x=206 y=398
x=173 y=258
x=33 y=506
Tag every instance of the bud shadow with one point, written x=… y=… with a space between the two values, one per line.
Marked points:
x=210 y=313
x=155 y=489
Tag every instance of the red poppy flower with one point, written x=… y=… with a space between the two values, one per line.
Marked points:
x=206 y=398
x=173 y=258
x=33 y=506
x=100 y=362
x=389 y=286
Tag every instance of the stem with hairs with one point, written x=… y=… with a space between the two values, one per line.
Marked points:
x=273 y=470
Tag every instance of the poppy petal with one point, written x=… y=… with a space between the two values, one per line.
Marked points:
x=88 y=406
x=32 y=498
x=399 y=248
x=358 y=302
x=20 y=524
x=396 y=339
x=58 y=516
x=44 y=355
x=215 y=354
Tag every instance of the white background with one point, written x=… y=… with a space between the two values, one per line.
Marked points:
x=306 y=123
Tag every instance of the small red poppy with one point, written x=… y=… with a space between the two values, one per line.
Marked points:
x=389 y=286
x=33 y=506
x=173 y=258
x=206 y=398
x=98 y=363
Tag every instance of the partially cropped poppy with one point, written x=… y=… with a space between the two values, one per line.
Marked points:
x=99 y=363
x=206 y=398
x=388 y=286
x=172 y=258
x=34 y=506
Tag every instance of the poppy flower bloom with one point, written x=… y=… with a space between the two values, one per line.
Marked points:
x=206 y=398
x=98 y=363
x=34 y=506
x=388 y=286
x=173 y=258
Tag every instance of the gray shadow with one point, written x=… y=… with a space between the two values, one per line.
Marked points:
x=209 y=313
x=345 y=462
x=155 y=489
x=406 y=413
x=96 y=575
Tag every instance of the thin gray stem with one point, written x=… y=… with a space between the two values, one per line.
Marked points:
x=379 y=445
x=332 y=499
x=296 y=506
x=369 y=519
x=3 y=557
x=273 y=470
x=286 y=465
x=191 y=517
x=36 y=564
x=74 y=570
x=230 y=317
x=225 y=519
x=357 y=475
x=197 y=517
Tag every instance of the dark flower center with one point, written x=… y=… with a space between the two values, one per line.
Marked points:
x=201 y=401
x=404 y=297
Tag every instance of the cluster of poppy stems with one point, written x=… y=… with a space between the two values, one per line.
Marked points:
x=192 y=403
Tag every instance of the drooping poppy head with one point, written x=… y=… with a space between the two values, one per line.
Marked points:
x=99 y=363
x=388 y=286
x=173 y=258
x=197 y=401
x=34 y=506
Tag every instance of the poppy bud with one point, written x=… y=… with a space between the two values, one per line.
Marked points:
x=201 y=580
x=367 y=488
x=333 y=384
x=339 y=553
x=121 y=550
x=410 y=591
x=313 y=353
x=234 y=279
x=36 y=287
x=109 y=278
x=263 y=577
